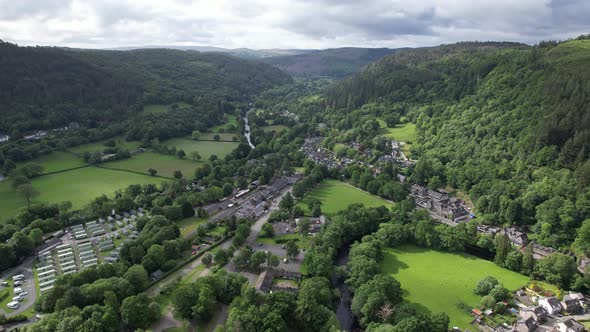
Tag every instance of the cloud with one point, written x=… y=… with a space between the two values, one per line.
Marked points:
x=288 y=23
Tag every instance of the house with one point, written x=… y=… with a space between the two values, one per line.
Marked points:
x=572 y=304
x=517 y=237
x=579 y=297
x=551 y=305
x=525 y=325
x=538 y=313
x=569 y=325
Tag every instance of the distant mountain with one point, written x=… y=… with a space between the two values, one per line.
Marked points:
x=335 y=63
x=48 y=87
x=239 y=52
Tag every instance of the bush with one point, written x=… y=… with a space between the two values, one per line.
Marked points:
x=485 y=285
x=169 y=265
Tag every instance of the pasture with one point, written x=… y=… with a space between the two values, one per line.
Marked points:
x=336 y=195
x=79 y=186
x=163 y=163
x=230 y=125
x=404 y=132
x=204 y=148
x=189 y=225
x=275 y=128
x=443 y=282
x=99 y=146
x=55 y=161
x=227 y=137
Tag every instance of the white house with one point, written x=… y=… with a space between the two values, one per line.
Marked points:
x=551 y=304
x=569 y=325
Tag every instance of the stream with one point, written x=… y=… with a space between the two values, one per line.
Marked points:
x=344 y=312
x=247 y=131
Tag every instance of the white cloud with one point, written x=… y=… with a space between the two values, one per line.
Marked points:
x=287 y=23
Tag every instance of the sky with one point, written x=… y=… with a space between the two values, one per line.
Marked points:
x=303 y=24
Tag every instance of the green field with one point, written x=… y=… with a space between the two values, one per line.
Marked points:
x=99 y=146
x=231 y=120
x=228 y=137
x=336 y=195
x=405 y=132
x=276 y=128
x=156 y=108
x=189 y=225
x=163 y=163
x=440 y=281
x=205 y=148
x=79 y=186
x=56 y=161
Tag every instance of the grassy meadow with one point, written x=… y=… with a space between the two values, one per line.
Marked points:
x=205 y=148
x=227 y=137
x=99 y=146
x=163 y=163
x=55 y=161
x=79 y=186
x=189 y=225
x=231 y=120
x=440 y=281
x=275 y=128
x=336 y=195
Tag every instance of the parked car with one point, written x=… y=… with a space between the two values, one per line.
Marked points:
x=23 y=294
x=18 y=290
x=17 y=299
x=18 y=283
x=18 y=277
x=13 y=305
x=5 y=283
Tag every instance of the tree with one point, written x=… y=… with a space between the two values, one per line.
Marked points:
x=287 y=202
x=180 y=154
x=503 y=248
x=485 y=285
x=36 y=236
x=292 y=249
x=227 y=189
x=258 y=258
x=177 y=174
x=558 y=269
x=195 y=156
x=272 y=261
x=196 y=134
x=19 y=180
x=187 y=210
x=267 y=230
x=242 y=259
x=137 y=277
x=152 y=172
x=28 y=192
x=63 y=207
x=137 y=311
x=304 y=226
x=216 y=137
x=22 y=244
x=207 y=259
x=154 y=258
x=528 y=261
x=514 y=261
x=221 y=257
x=316 y=211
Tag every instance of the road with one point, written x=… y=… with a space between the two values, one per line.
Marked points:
x=25 y=268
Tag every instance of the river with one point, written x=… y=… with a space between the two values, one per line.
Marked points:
x=247 y=131
x=344 y=312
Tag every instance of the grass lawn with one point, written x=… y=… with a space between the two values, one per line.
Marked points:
x=99 y=146
x=157 y=108
x=402 y=132
x=276 y=128
x=440 y=281
x=336 y=195
x=205 y=148
x=231 y=120
x=79 y=186
x=227 y=137
x=163 y=163
x=282 y=239
x=218 y=230
x=8 y=289
x=56 y=161
x=189 y=225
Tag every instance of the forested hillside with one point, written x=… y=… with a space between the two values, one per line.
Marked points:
x=505 y=123
x=44 y=88
x=336 y=63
